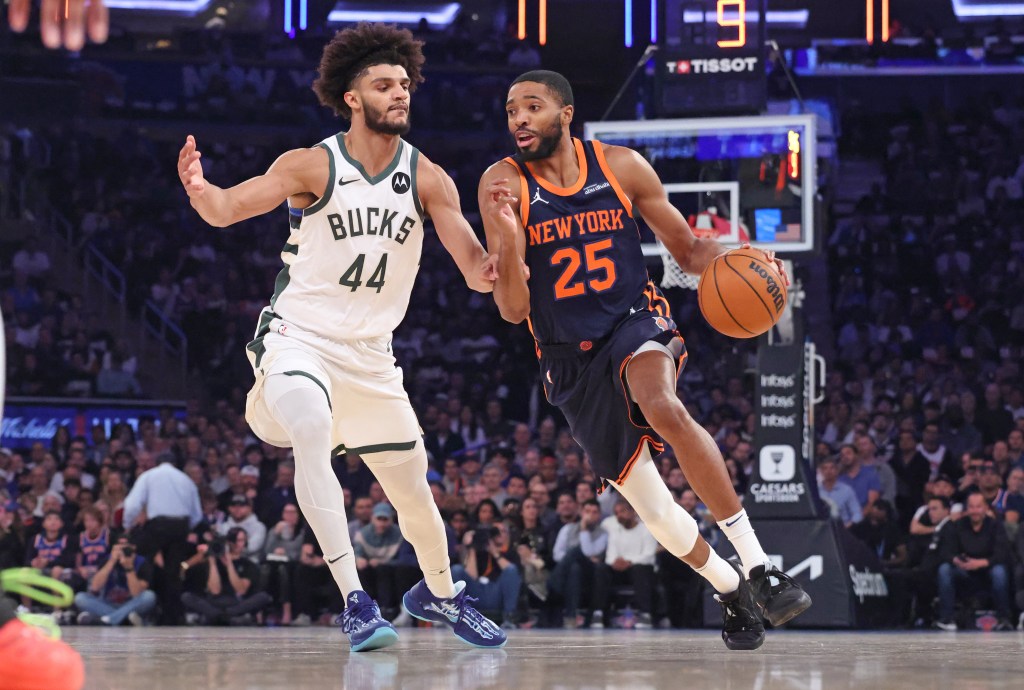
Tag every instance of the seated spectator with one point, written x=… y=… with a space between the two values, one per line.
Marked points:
x=362 y=515
x=486 y=513
x=882 y=534
x=923 y=560
x=94 y=543
x=241 y=515
x=912 y=470
x=1015 y=496
x=975 y=554
x=281 y=552
x=119 y=589
x=12 y=535
x=231 y=594
x=863 y=480
x=271 y=502
x=490 y=568
x=629 y=560
x=375 y=545
x=842 y=501
x=533 y=549
x=578 y=551
x=52 y=552
x=315 y=589
x=684 y=588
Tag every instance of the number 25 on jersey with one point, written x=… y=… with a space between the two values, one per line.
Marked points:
x=599 y=270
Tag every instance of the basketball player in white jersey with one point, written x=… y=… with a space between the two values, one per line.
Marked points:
x=326 y=380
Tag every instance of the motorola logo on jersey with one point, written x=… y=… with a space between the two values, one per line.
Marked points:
x=712 y=66
x=400 y=183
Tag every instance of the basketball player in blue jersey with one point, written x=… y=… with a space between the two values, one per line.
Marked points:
x=609 y=351
x=326 y=380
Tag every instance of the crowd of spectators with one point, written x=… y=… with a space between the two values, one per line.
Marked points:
x=920 y=439
x=921 y=445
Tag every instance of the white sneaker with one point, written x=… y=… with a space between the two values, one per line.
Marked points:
x=597 y=620
x=948 y=626
x=402 y=620
x=302 y=621
x=135 y=619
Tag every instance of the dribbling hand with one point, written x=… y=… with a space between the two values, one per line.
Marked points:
x=63 y=22
x=770 y=257
x=190 y=169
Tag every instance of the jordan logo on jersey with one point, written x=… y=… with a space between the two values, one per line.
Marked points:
x=536 y=198
x=370 y=221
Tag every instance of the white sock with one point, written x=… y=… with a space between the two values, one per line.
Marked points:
x=344 y=571
x=722 y=576
x=741 y=535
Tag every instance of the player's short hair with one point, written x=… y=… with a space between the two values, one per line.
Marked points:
x=354 y=50
x=558 y=84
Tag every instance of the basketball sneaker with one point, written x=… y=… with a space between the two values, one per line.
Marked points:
x=778 y=603
x=29 y=660
x=468 y=624
x=365 y=627
x=742 y=628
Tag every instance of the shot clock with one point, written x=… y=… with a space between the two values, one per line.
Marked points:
x=712 y=57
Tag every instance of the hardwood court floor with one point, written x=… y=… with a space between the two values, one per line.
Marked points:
x=318 y=658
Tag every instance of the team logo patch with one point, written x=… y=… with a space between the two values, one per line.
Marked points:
x=661 y=323
x=282 y=329
x=400 y=183
x=586 y=345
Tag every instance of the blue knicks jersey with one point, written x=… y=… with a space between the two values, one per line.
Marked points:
x=587 y=268
x=94 y=550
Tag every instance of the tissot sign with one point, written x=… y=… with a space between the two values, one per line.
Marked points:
x=712 y=65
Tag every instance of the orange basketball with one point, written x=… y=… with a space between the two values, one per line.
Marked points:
x=741 y=294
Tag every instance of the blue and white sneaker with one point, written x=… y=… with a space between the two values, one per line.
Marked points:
x=363 y=624
x=469 y=625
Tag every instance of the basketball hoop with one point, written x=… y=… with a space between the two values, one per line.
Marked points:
x=674 y=275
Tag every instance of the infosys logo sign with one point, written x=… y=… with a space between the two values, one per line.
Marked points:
x=712 y=66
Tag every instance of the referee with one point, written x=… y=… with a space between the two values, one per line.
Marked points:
x=161 y=509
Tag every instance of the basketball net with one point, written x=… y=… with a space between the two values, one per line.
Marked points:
x=674 y=275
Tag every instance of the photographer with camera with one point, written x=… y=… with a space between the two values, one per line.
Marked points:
x=119 y=590
x=232 y=581
x=490 y=568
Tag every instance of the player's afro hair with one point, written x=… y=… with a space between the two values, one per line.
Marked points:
x=352 y=51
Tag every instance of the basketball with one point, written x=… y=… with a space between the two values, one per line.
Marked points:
x=741 y=294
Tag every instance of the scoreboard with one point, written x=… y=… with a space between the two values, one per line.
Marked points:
x=712 y=58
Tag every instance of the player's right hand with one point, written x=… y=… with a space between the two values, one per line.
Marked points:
x=499 y=198
x=190 y=170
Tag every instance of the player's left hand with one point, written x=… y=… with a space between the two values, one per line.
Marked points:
x=63 y=22
x=770 y=257
x=487 y=273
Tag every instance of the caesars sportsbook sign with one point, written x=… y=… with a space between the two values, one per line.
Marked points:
x=779 y=485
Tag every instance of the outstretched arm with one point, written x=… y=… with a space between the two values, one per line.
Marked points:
x=301 y=171
x=440 y=200
x=642 y=185
x=504 y=230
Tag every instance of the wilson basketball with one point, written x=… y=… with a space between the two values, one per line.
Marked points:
x=741 y=294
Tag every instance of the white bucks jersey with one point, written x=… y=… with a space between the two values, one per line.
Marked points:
x=352 y=257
